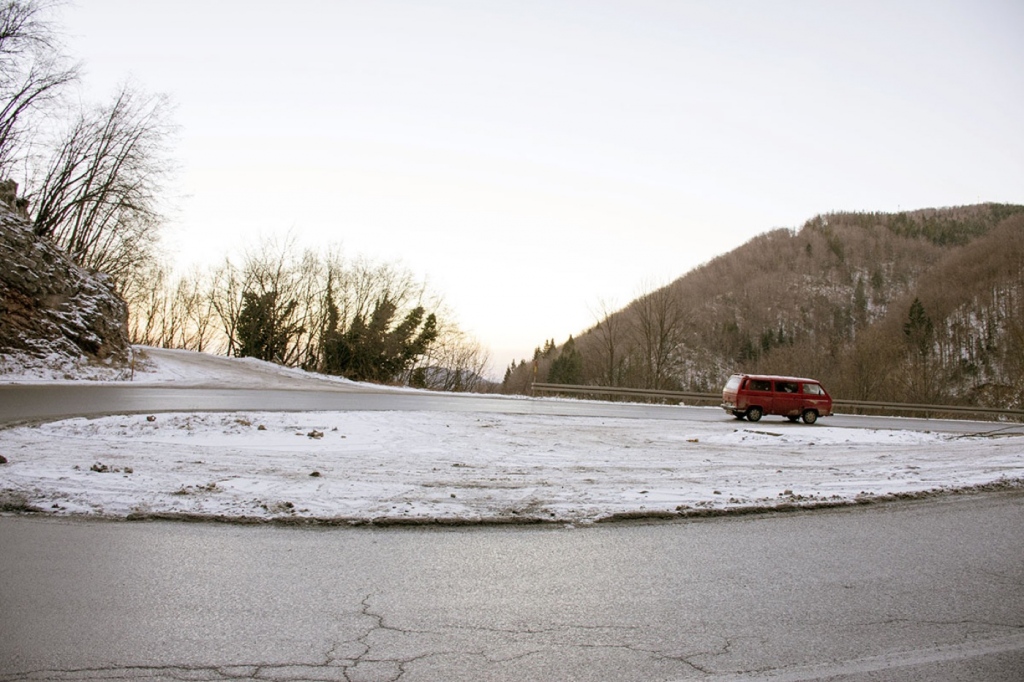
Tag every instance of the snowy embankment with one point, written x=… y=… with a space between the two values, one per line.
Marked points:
x=422 y=467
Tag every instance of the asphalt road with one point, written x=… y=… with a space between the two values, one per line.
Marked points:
x=19 y=403
x=928 y=590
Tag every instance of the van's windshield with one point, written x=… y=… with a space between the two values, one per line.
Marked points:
x=734 y=382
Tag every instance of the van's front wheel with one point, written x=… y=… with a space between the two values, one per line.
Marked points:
x=754 y=414
x=739 y=414
x=810 y=416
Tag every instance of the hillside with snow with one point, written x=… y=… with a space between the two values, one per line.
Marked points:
x=920 y=307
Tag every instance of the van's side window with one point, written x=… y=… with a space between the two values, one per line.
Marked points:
x=785 y=386
x=813 y=389
x=759 y=385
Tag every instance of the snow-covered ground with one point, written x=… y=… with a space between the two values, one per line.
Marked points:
x=410 y=467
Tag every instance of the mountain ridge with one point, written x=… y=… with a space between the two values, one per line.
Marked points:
x=831 y=299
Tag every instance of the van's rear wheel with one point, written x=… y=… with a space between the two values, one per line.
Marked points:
x=754 y=414
x=810 y=416
x=792 y=418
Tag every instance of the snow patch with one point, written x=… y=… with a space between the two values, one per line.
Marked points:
x=363 y=467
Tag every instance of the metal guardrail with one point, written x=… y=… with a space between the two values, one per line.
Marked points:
x=716 y=398
x=626 y=392
x=929 y=409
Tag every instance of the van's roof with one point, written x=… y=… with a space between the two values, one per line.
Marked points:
x=776 y=377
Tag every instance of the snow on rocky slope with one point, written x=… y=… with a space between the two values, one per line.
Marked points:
x=56 y=318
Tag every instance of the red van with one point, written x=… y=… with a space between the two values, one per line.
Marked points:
x=754 y=395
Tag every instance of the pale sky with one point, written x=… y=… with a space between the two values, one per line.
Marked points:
x=534 y=159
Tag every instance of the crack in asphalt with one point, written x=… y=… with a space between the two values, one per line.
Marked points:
x=962 y=622
x=379 y=664
x=884 y=662
x=1003 y=577
x=131 y=672
x=562 y=635
x=357 y=659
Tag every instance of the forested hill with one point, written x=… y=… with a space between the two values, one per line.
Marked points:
x=922 y=306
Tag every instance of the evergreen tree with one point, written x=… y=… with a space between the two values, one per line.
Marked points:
x=331 y=341
x=567 y=368
x=371 y=350
x=860 y=302
x=918 y=329
x=264 y=327
x=509 y=371
x=919 y=333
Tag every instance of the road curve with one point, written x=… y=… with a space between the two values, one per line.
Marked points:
x=901 y=593
x=907 y=591
x=44 y=402
x=199 y=382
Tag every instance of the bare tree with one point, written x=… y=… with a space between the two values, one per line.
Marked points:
x=323 y=283
x=190 y=314
x=610 y=335
x=146 y=296
x=33 y=74
x=287 y=306
x=312 y=278
x=454 y=362
x=364 y=282
x=657 y=322
x=225 y=295
x=273 y=278
x=271 y=269
x=98 y=197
